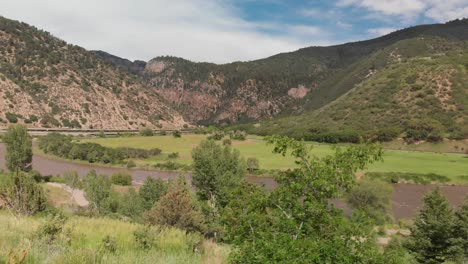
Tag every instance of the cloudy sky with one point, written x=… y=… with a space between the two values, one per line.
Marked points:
x=223 y=30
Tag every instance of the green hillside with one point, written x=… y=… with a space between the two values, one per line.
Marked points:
x=422 y=86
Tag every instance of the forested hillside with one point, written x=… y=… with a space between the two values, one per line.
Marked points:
x=310 y=78
x=46 y=82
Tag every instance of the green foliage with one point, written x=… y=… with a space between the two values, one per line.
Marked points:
x=151 y=191
x=373 y=197
x=238 y=135
x=216 y=170
x=98 y=191
x=177 y=134
x=460 y=229
x=145 y=237
x=294 y=223
x=177 y=208
x=131 y=164
x=146 y=132
x=12 y=118
x=52 y=228
x=18 y=148
x=21 y=195
x=72 y=179
x=64 y=146
x=431 y=239
x=173 y=155
x=121 y=178
x=130 y=205
x=216 y=135
x=252 y=164
x=227 y=142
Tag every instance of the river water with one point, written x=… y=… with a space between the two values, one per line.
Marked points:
x=406 y=199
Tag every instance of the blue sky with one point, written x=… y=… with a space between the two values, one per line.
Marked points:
x=223 y=31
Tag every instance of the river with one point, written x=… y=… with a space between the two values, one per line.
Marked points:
x=406 y=199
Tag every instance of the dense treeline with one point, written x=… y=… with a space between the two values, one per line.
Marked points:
x=64 y=146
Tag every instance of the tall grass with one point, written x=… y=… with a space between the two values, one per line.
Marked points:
x=82 y=242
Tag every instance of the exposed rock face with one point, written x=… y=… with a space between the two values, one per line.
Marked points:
x=45 y=82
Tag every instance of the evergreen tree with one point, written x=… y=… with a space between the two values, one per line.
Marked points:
x=177 y=208
x=432 y=234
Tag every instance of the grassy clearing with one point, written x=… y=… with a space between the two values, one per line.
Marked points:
x=450 y=165
x=447 y=146
x=86 y=246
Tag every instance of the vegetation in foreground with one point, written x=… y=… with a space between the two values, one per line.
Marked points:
x=293 y=223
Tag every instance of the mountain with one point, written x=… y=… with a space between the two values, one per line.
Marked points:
x=45 y=82
x=310 y=80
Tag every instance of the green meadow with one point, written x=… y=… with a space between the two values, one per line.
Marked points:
x=446 y=164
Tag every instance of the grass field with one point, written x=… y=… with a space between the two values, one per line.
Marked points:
x=450 y=165
x=82 y=242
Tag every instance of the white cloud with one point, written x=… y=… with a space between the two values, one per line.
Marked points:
x=376 y=32
x=438 y=10
x=199 y=30
x=442 y=11
x=388 y=7
x=305 y=30
x=311 y=12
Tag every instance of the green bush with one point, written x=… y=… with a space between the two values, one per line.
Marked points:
x=146 y=132
x=252 y=164
x=177 y=134
x=173 y=155
x=12 y=118
x=131 y=164
x=121 y=178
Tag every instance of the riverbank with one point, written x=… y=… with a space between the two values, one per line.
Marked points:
x=406 y=198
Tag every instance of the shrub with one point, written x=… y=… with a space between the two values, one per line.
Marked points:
x=109 y=244
x=21 y=194
x=121 y=178
x=151 y=191
x=144 y=237
x=173 y=155
x=146 y=132
x=163 y=132
x=217 y=135
x=227 y=142
x=131 y=164
x=372 y=197
x=12 y=118
x=98 y=191
x=238 y=135
x=252 y=164
x=177 y=208
x=177 y=134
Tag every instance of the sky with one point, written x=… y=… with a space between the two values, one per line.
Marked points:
x=223 y=31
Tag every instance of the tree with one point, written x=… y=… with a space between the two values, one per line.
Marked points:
x=372 y=197
x=151 y=191
x=19 y=148
x=21 y=194
x=431 y=236
x=177 y=208
x=216 y=170
x=98 y=191
x=294 y=223
x=460 y=242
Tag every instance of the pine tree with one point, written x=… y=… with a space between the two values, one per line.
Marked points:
x=177 y=208
x=432 y=234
